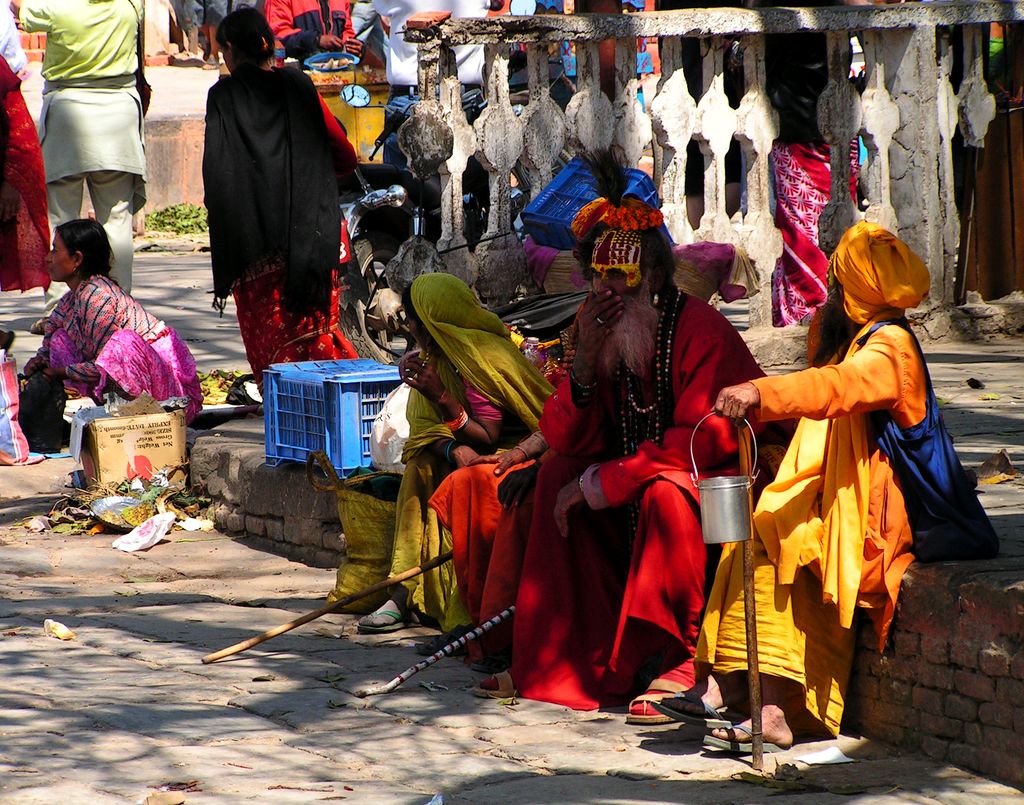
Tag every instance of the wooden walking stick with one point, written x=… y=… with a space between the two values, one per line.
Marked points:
x=750 y=608
x=387 y=687
x=324 y=610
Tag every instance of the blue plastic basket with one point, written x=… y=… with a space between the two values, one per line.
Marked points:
x=324 y=405
x=548 y=217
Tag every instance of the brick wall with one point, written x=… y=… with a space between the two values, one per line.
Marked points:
x=274 y=507
x=951 y=681
x=310 y=541
x=34 y=45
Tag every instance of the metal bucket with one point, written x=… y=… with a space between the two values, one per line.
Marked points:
x=724 y=501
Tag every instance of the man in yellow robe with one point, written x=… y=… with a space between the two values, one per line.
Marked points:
x=832 y=532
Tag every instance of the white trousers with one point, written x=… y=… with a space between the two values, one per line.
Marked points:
x=111 y=193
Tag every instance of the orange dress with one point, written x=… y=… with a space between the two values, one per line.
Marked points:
x=806 y=583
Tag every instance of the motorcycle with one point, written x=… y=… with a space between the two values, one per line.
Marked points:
x=381 y=206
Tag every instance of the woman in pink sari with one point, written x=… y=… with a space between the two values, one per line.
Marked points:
x=99 y=338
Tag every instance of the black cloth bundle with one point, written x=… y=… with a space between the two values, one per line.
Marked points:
x=270 y=183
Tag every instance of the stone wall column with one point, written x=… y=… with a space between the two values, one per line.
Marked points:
x=501 y=261
x=839 y=120
x=674 y=115
x=910 y=75
x=757 y=126
x=716 y=122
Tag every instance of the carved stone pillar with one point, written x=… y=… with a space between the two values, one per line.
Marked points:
x=881 y=119
x=716 y=122
x=839 y=120
x=914 y=153
x=501 y=261
x=543 y=123
x=674 y=115
x=632 y=125
x=757 y=126
x=946 y=115
x=976 y=105
x=590 y=116
x=427 y=141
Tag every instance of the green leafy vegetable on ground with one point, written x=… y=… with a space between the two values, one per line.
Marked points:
x=182 y=219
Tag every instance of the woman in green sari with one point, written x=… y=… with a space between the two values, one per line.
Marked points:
x=473 y=393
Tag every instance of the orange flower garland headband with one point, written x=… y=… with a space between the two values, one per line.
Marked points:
x=618 y=247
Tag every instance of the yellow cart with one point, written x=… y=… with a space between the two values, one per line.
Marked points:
x=362 y=125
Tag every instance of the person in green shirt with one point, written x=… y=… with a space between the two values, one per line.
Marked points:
x=90 y=125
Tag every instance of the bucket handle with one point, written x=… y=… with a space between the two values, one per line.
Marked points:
x=695 y=476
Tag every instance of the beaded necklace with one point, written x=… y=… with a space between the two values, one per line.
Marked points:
x=639 y=423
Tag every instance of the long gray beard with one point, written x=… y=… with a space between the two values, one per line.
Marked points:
x=634 y=340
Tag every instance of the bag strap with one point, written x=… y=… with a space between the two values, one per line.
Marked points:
x=334 y=482
x=931 y=414
x=320 y=458
x=902 y=322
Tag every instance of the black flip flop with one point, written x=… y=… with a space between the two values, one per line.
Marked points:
x=673 y=708
x=8 y=342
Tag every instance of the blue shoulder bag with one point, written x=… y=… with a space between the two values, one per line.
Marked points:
x=947 y=519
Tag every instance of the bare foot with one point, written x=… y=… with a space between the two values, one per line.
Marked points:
x=774 y=729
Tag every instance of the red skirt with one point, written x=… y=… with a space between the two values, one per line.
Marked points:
x=272 y=334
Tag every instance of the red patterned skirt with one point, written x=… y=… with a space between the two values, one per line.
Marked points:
x=803 y=181
x=271 y=334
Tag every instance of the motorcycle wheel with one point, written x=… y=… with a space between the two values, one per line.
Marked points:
x=373 y=250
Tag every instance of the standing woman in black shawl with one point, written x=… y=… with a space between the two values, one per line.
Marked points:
x=273 y=154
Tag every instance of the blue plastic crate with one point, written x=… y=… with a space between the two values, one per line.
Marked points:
x=324 y=405
x=548 y=217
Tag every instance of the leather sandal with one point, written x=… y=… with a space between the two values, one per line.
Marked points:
x=742 y=747
x=492 y=664
x=499 y=686
x=641 y=709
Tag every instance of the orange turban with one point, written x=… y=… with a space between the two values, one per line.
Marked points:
x=879 y=273
x=630 y=214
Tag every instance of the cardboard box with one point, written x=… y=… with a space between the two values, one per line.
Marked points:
x=121 y=448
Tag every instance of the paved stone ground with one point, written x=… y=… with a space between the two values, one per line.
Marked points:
x=128 y=705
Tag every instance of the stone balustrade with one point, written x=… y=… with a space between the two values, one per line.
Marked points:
x=906 y=115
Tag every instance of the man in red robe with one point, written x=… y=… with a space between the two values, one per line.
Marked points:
x=613 y=578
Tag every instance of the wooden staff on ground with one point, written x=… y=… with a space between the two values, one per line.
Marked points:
x=750 y=610
x=325 y=610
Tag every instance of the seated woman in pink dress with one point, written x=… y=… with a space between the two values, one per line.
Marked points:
x=99 y=338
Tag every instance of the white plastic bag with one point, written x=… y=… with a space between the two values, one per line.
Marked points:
x=146 y=535
x=389 y=432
